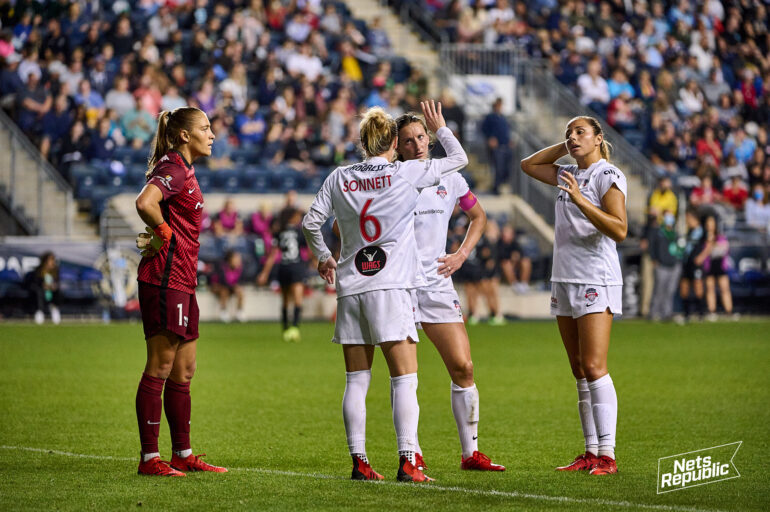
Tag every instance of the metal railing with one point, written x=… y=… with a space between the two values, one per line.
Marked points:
x=32 y=190
x=415 y=16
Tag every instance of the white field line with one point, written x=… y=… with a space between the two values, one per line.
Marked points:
x=427 y=487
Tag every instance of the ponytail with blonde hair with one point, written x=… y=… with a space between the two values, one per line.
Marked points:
x=377 y=131
x=170 y=124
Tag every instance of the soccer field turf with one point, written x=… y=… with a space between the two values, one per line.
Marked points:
x=271 y=412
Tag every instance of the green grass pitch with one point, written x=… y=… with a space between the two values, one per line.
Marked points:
x=271 y=411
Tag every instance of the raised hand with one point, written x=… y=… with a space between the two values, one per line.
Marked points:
x=572 y=188
x=434 y=119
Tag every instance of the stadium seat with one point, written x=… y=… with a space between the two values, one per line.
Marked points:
x=227 y=180
x=256 y=179
x=285 y=179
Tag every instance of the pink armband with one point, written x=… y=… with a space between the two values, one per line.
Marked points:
x=467 y=201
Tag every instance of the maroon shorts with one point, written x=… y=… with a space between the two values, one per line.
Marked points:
x=166 y=309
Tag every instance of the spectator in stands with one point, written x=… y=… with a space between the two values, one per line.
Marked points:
x=137 y=126
x=497 y=132
x=663 y=198
x=515 y=267
x=453 y=113
x=594 y=91
x=705 y=194
x=171 y=99
x=691 y=100
x=742 y=146
x=735 y=194
x=713 y=258
x=43 y=283
x=222 y=148
x=89 y=98
x=56 y=125
x=378 y=39
x=33 y=102
x=250 y=126
x=226 y=284
x=75 y=148
x=708 y=149
x=102 y=144
x=297 y=152
x=758 y=209
x=10 y=81
x=119 y=98
x=227 y=222
x=666 y=256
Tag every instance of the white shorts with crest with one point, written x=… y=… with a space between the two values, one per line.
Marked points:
x=374 y=317
x=576 y=300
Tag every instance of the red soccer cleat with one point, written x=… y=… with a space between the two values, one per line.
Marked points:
x=363 y=471
x=408 y=473
x=480 y=462
x=419 y=462
x=194 y=463
x=157 y=467
x=605 y=466
x=582 y=462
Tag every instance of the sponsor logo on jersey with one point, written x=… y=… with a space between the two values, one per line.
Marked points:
x=610 y=171
x=165 y=180
x=370 y=260
x=428 y=212
x=591 y=295
x=441 y=191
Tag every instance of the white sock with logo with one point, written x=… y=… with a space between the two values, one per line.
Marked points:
x=604 y=403
x=354 y=409
x=465 y=407
x=587 y=416
x=406 y=413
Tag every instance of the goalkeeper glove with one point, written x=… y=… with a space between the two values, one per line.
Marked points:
x=153 y=240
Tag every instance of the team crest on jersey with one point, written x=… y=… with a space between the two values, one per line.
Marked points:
x=554 y=302
x=165 y=180
x=370 y=260
x=457 y=304
x=591 y=295
x=441 y=191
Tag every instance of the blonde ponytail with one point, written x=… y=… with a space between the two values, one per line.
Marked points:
x=170 y=124
x=377 y=131
x=605 y=149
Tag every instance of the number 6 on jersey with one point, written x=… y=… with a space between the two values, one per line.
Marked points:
x=364 y=218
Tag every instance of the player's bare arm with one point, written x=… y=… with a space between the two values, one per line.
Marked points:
x=542 y=165
x=451 y=263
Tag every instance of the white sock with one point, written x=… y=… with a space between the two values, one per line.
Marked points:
x=587 y=416
x=604 y=403
x=149 y=456
x=465 y=407
x=416 y=434
x=354 y=409
x=184 y=453
x=406 y=412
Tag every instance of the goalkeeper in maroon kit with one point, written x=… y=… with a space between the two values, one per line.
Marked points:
x=171 y=204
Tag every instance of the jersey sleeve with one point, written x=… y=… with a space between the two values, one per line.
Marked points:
x=608 y=177
x=427 y=173
x=314 y=219
x=169 y=178
x=461 y=187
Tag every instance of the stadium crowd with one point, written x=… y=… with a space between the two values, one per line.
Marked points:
x=281 y=82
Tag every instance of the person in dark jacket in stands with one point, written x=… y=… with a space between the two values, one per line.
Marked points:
x=666 y=255
x=497 y=132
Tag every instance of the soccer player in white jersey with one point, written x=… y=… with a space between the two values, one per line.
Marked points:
x=586 y=283
x=436 y=305
x=374 y=203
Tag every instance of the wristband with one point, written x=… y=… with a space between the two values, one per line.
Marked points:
x=163 y=231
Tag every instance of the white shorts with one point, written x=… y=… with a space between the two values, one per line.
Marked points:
x=436 y=307
x=375 y=317
x=576 y=300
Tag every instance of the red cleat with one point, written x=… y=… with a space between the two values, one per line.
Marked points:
x=582 y=462
x=363 y=471
x=480 y=462
x=419 y=462
x=157 y=467
x=408 y=473
x=605 y=466
x=194 y=463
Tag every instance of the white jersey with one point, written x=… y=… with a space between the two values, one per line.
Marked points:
x=374 y=202
x=431 y=222
x=581 y=253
